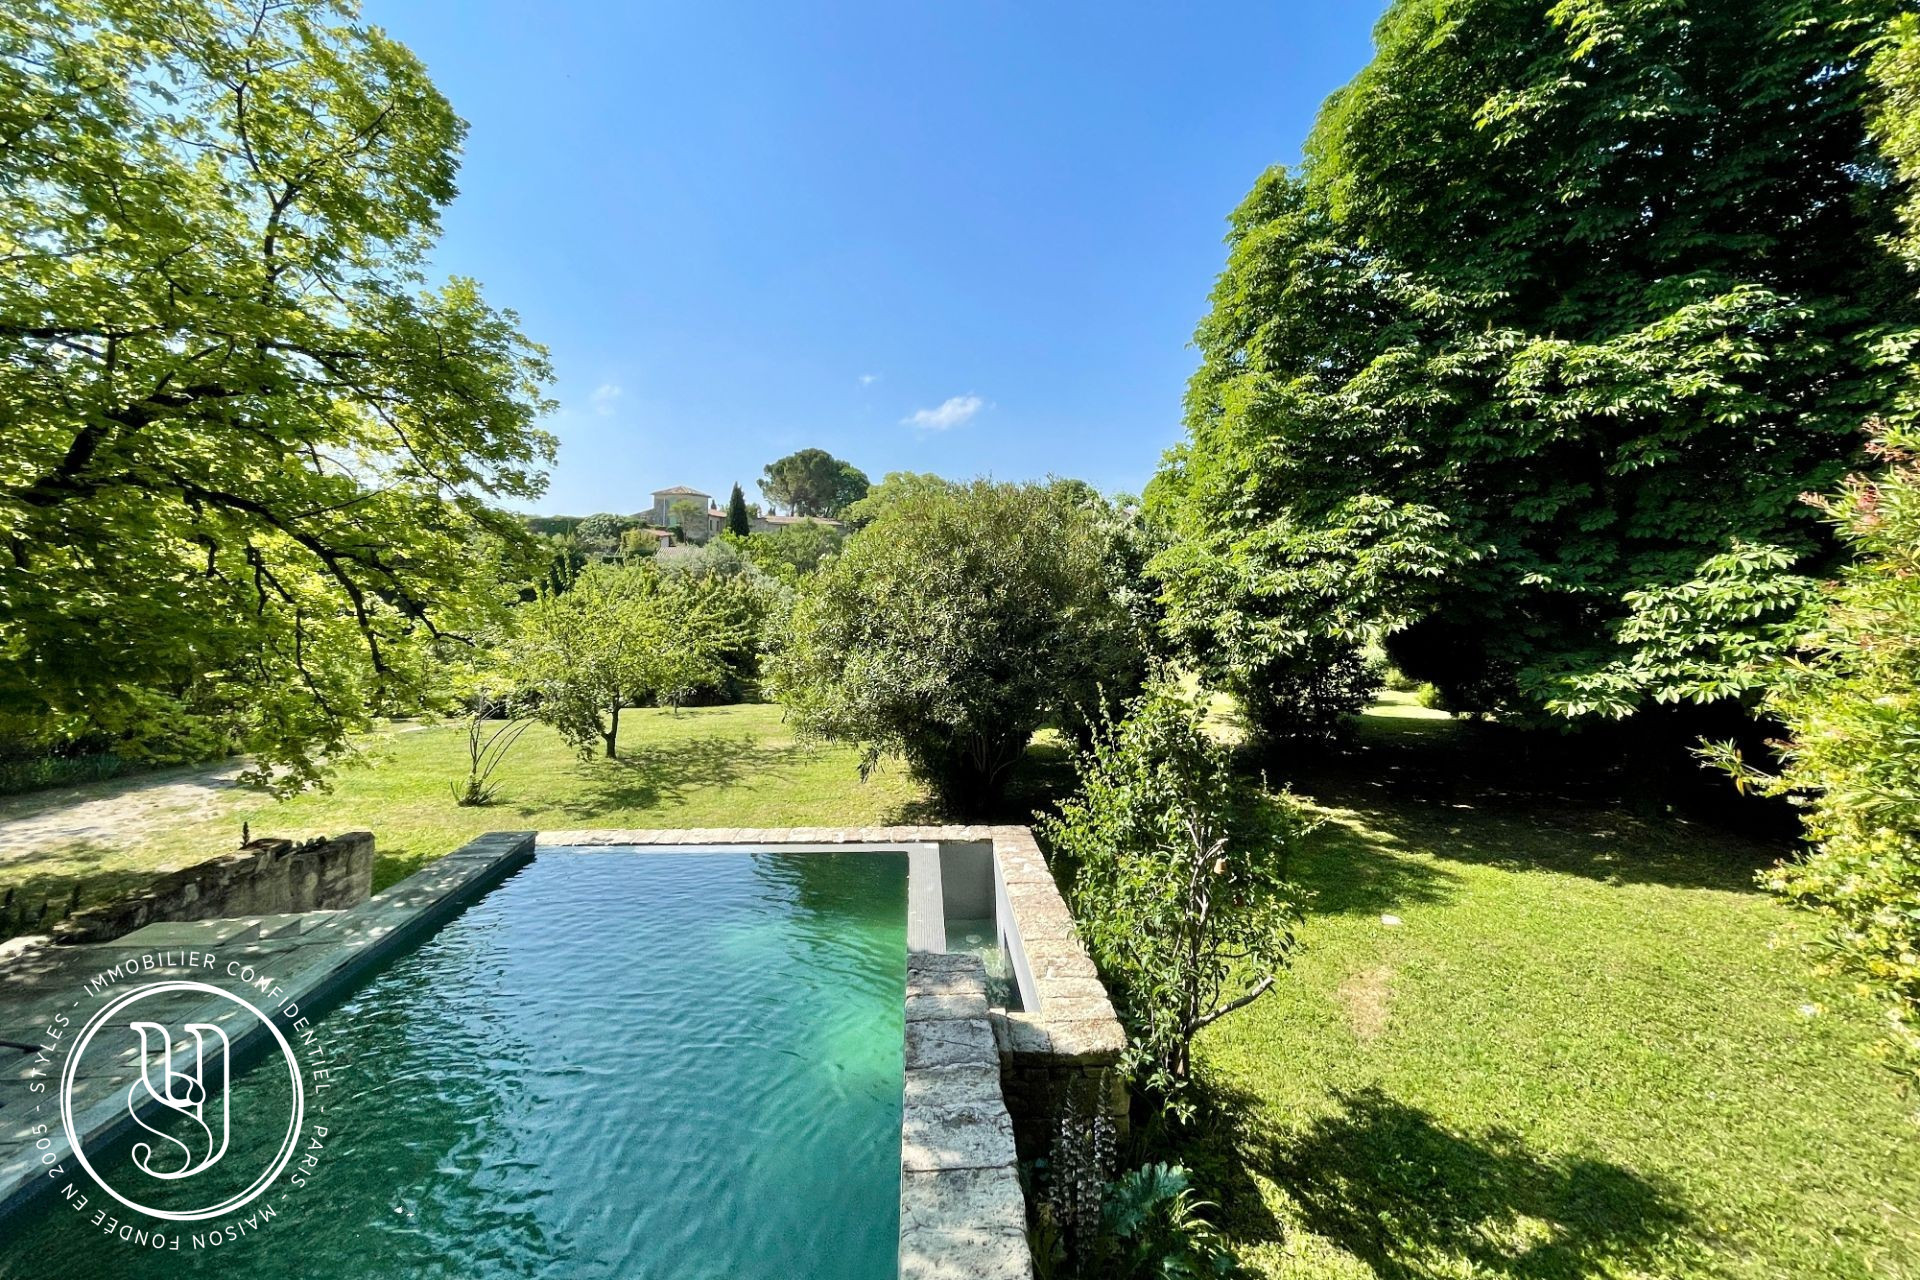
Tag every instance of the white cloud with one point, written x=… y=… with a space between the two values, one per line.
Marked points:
x=868 y=379
x=951 y=413
x=604 y=396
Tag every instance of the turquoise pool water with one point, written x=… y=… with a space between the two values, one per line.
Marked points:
x=615 y=1064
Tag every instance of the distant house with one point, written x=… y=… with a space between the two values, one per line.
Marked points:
x=698 y=529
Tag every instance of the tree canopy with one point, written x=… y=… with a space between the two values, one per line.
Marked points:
x=1565 y=308
x=246 y=450
x=954 y=626
x=813 y=482
x=623 y=636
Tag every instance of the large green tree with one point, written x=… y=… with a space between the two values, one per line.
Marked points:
x=246 y=450
x=813 y=482
x=623 y=636
x=1566 y=306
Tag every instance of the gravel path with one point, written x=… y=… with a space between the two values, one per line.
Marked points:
x=122 y=812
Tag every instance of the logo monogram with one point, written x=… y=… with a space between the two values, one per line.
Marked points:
x=182 y=1094
x=181 y=1097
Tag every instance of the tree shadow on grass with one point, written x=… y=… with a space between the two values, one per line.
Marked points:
x=1526 y=801
x=653 y=776
x=1349 y=868
x=1415 y=1199
x=1604 y=844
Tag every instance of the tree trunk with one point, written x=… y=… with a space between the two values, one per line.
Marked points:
x=613 y=734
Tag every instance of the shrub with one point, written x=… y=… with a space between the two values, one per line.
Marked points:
x=1310 y=696
x=1178 y=881
x=953 y=627
x=1851 y=704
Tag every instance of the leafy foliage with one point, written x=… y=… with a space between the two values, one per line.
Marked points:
x=1152 y=1229
x=1851 y=701
x=601 y=532
x=954 y=626
x=893 y=487
x=813 y=482
x=622 y=636
x=794 y=551
x=1524 y=369
x=689 y=517
x=246 y=454
x=1178 y=882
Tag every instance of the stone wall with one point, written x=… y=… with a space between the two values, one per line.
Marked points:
x=266 y=877
x=1061 y=1053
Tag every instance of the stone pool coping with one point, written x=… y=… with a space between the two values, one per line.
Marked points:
x=962 y=1210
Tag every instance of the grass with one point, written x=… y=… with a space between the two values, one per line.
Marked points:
x=707 y=767
x=1588 y=1049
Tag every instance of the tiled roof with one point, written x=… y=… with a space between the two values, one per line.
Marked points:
x=680 y=489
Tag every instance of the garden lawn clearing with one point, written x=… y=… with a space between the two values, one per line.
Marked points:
x=705 y=767
x=1588 y=1048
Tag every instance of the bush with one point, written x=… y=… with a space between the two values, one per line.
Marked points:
x=1178 y=881
x=1851 y=704
x=1305 y=697
x=954 y=626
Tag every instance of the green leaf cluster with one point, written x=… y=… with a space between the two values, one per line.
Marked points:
x=624 y=636
x=1849 y=693
x=248 y=454
x=813 y=482
x=955 y=625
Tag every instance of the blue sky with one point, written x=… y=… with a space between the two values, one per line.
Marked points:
x=964 y=238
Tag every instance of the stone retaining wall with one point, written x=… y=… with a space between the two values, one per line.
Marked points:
x=1063 y=1050
x=266 y=877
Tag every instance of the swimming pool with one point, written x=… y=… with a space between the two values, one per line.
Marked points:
x=617 y=1062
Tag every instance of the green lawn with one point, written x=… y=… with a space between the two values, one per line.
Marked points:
x=1588 y=1049
x=706 y=767
x=1585 y=1051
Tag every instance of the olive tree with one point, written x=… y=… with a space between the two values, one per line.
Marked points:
x=955 y=625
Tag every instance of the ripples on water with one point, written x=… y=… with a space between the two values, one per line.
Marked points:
x=616 y=1064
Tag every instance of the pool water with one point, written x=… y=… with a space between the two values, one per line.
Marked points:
x=615 y=1064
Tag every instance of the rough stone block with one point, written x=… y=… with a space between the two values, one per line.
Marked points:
x=987 y=1201
x=950 y=1043
x=968 y=1135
